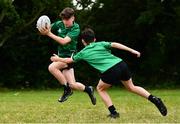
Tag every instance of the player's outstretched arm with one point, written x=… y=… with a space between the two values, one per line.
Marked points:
x=60 y=40
x=123 y=47
x=56 y=58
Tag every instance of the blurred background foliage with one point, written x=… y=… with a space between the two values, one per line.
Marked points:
x=150 y=26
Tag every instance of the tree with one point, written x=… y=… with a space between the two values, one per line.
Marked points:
x=150 y=26
x=24 y=53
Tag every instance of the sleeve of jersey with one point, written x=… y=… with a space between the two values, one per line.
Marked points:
x=77 y=57
x=53 y=26
x=107 y=45
x=74 y=33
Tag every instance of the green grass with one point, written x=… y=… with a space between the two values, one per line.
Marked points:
x=42 y=107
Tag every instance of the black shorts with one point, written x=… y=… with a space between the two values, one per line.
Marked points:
x=118 y=72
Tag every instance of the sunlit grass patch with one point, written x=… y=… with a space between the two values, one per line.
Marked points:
x=43 y=107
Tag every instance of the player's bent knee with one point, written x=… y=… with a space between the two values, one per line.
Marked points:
x=51 y=68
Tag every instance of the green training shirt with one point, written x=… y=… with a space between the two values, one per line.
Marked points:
x=98 y=55
x=73 y=32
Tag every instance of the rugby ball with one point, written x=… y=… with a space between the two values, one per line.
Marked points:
x=43 y=22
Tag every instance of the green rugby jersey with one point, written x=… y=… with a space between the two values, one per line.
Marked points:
x=98 y=55
x=73 y=32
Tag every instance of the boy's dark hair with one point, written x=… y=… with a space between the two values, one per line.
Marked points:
x=88 y=35
x=67 y=13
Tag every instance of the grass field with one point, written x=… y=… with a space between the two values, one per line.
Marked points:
x=42 y=107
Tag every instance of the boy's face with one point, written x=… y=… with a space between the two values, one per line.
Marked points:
x=68 y=22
